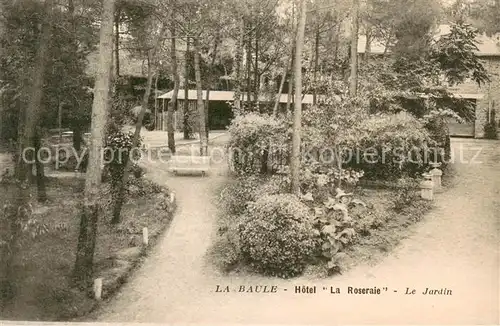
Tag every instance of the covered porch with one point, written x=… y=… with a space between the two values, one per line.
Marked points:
x=220 y=112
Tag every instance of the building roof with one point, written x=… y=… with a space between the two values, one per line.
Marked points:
x=488 y=46
x=228 y=96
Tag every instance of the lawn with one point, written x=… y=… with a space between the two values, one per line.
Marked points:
x=44 y=266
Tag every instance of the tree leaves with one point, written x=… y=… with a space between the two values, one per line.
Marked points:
x=455 y=55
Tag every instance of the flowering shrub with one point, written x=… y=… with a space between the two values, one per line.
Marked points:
x=390 y=146
x=321 y=180
x=333 y=122
x=119 y=147
x=234 y=198
x=258 y=142
x=276 y=235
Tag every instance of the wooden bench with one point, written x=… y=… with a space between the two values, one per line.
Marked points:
x=189 y=164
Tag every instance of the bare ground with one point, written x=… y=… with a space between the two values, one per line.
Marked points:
x=456 y=247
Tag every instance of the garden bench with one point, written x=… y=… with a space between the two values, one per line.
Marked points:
x=189 y=164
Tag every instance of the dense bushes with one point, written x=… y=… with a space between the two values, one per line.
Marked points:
x=279 y=234
x=234 y=197
x=258 y=143
x=276 y=235
x=390 y=146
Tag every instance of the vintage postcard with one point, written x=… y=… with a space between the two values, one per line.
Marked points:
x=258 y=162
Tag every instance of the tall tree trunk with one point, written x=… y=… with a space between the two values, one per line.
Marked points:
x=122 y=186
x=199 y=97
x=368 y=45
x=77 y=135
x=30 y=115
x=316 y=61
x=249 y=69
x=297 y=114
x=75 y=122
x=155 y=121
x=280 y=89
x=83 y=269
x=238 y=59
x=186 y=125
x=353 y=83
x=256 y=70
x=210 y=79
x=290 y=93
x=387 y=42
x=291 y=81
x=117 y=43
x=285 y=73
x=337 y=43
x=40 y=173
x=295 y=27
x=173 y=101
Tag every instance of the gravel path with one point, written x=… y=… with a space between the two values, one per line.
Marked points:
x=456 y=248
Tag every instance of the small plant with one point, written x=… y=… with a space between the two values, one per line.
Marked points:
x=138 y=187
x=491 y=127
x=321 y=180
x=334 y=229
x=405 y=193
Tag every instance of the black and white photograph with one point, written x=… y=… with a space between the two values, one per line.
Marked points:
x=250 y=162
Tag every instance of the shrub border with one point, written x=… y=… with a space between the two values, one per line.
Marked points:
x=119 y=281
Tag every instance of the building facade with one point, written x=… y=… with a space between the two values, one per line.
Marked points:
x=486 y=97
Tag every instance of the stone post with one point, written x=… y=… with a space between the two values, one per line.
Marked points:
x=426 y=187
x=145 y=237
x=436 y=174
x=98 y=288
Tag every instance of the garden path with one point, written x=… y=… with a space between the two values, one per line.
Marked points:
x=455 y=247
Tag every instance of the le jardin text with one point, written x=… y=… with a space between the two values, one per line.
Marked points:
x=307 y=289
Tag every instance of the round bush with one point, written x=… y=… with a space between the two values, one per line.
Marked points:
x=234 y=197
x=276 y=235
x=258 y=141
